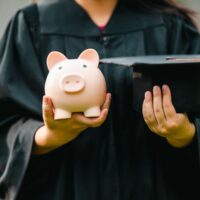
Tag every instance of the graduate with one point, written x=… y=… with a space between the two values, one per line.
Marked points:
x=120 y=155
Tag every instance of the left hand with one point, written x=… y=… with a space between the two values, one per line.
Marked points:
x=163 y=120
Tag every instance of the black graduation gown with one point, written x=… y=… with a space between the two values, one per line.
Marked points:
x=122 y=159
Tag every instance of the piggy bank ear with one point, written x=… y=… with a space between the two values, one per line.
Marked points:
x=91 y=55
x=53 y=58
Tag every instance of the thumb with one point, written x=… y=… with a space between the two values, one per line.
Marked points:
x=47 y=110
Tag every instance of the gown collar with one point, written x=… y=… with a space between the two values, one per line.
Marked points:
x=68 y=18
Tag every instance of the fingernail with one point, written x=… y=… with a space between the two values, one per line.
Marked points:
x=155 y=88
x=164 y=87
x=147 y=95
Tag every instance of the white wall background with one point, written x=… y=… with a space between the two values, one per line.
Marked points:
x=195 y=5
x=9 y=7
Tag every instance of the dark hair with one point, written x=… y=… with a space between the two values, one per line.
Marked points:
x=167 y=6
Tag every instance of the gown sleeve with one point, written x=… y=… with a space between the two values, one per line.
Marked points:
x=21 y=89
x=181 y=165
x=184 y=38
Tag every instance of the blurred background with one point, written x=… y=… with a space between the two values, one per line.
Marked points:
x=9 y=7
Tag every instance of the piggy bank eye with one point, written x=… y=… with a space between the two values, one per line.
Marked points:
x=60 y=67
x=84 y=66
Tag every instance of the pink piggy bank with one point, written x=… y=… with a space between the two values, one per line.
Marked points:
x=75 y=85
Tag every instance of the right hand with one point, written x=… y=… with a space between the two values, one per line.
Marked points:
x=56 y=133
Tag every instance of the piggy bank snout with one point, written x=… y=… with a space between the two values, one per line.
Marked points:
x=72 y=83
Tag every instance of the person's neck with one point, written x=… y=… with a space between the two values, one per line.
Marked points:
x=100 y=11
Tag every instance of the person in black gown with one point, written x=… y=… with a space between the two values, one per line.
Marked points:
x=121 y=155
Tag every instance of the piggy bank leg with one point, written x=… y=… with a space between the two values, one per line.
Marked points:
x=92 y=112
x=61 y=114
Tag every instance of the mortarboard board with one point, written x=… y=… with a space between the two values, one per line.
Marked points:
x=180 y=72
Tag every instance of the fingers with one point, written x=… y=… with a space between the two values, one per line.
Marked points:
x=107 y=101
x=168 y=107
x=90 y=121
x=161 y=103
x=104 y=113
x=158 y=110
x=158 y=105
x=48 y=114
x=47 y=108
x=148 y=112
x=97 y=121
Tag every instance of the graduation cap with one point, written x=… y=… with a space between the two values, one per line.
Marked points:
x=180 y=72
